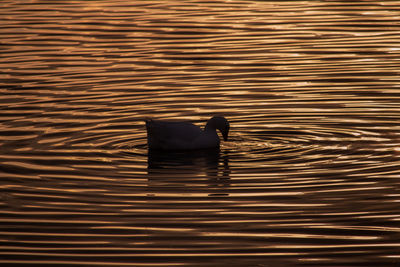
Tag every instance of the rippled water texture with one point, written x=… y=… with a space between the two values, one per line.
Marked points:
x=310 y=176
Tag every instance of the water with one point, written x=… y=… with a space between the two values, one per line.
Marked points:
x=310 y=176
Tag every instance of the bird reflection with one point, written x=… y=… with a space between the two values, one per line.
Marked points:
x=185 y=167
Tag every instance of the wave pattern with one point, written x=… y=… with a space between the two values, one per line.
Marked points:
x=310 y=176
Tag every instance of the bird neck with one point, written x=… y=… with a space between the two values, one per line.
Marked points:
x=210 y=126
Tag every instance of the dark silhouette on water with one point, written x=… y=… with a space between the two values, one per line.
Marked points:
x=168 y=135
x=198 y=159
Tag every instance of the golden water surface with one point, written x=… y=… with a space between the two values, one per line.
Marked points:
x=309 y=177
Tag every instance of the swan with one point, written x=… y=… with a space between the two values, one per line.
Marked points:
x=167 y=135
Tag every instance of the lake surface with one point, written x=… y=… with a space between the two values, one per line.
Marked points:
x=309 y=177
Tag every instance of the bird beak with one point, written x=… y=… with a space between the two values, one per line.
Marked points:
x=225 y=136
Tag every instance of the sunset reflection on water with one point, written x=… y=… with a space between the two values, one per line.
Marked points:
x=309 y=175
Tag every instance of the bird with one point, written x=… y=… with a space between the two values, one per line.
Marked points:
x=179 y=136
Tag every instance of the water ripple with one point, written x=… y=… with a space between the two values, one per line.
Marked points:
x=308 y=177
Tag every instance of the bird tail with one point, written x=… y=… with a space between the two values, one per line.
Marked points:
x=149 y=123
